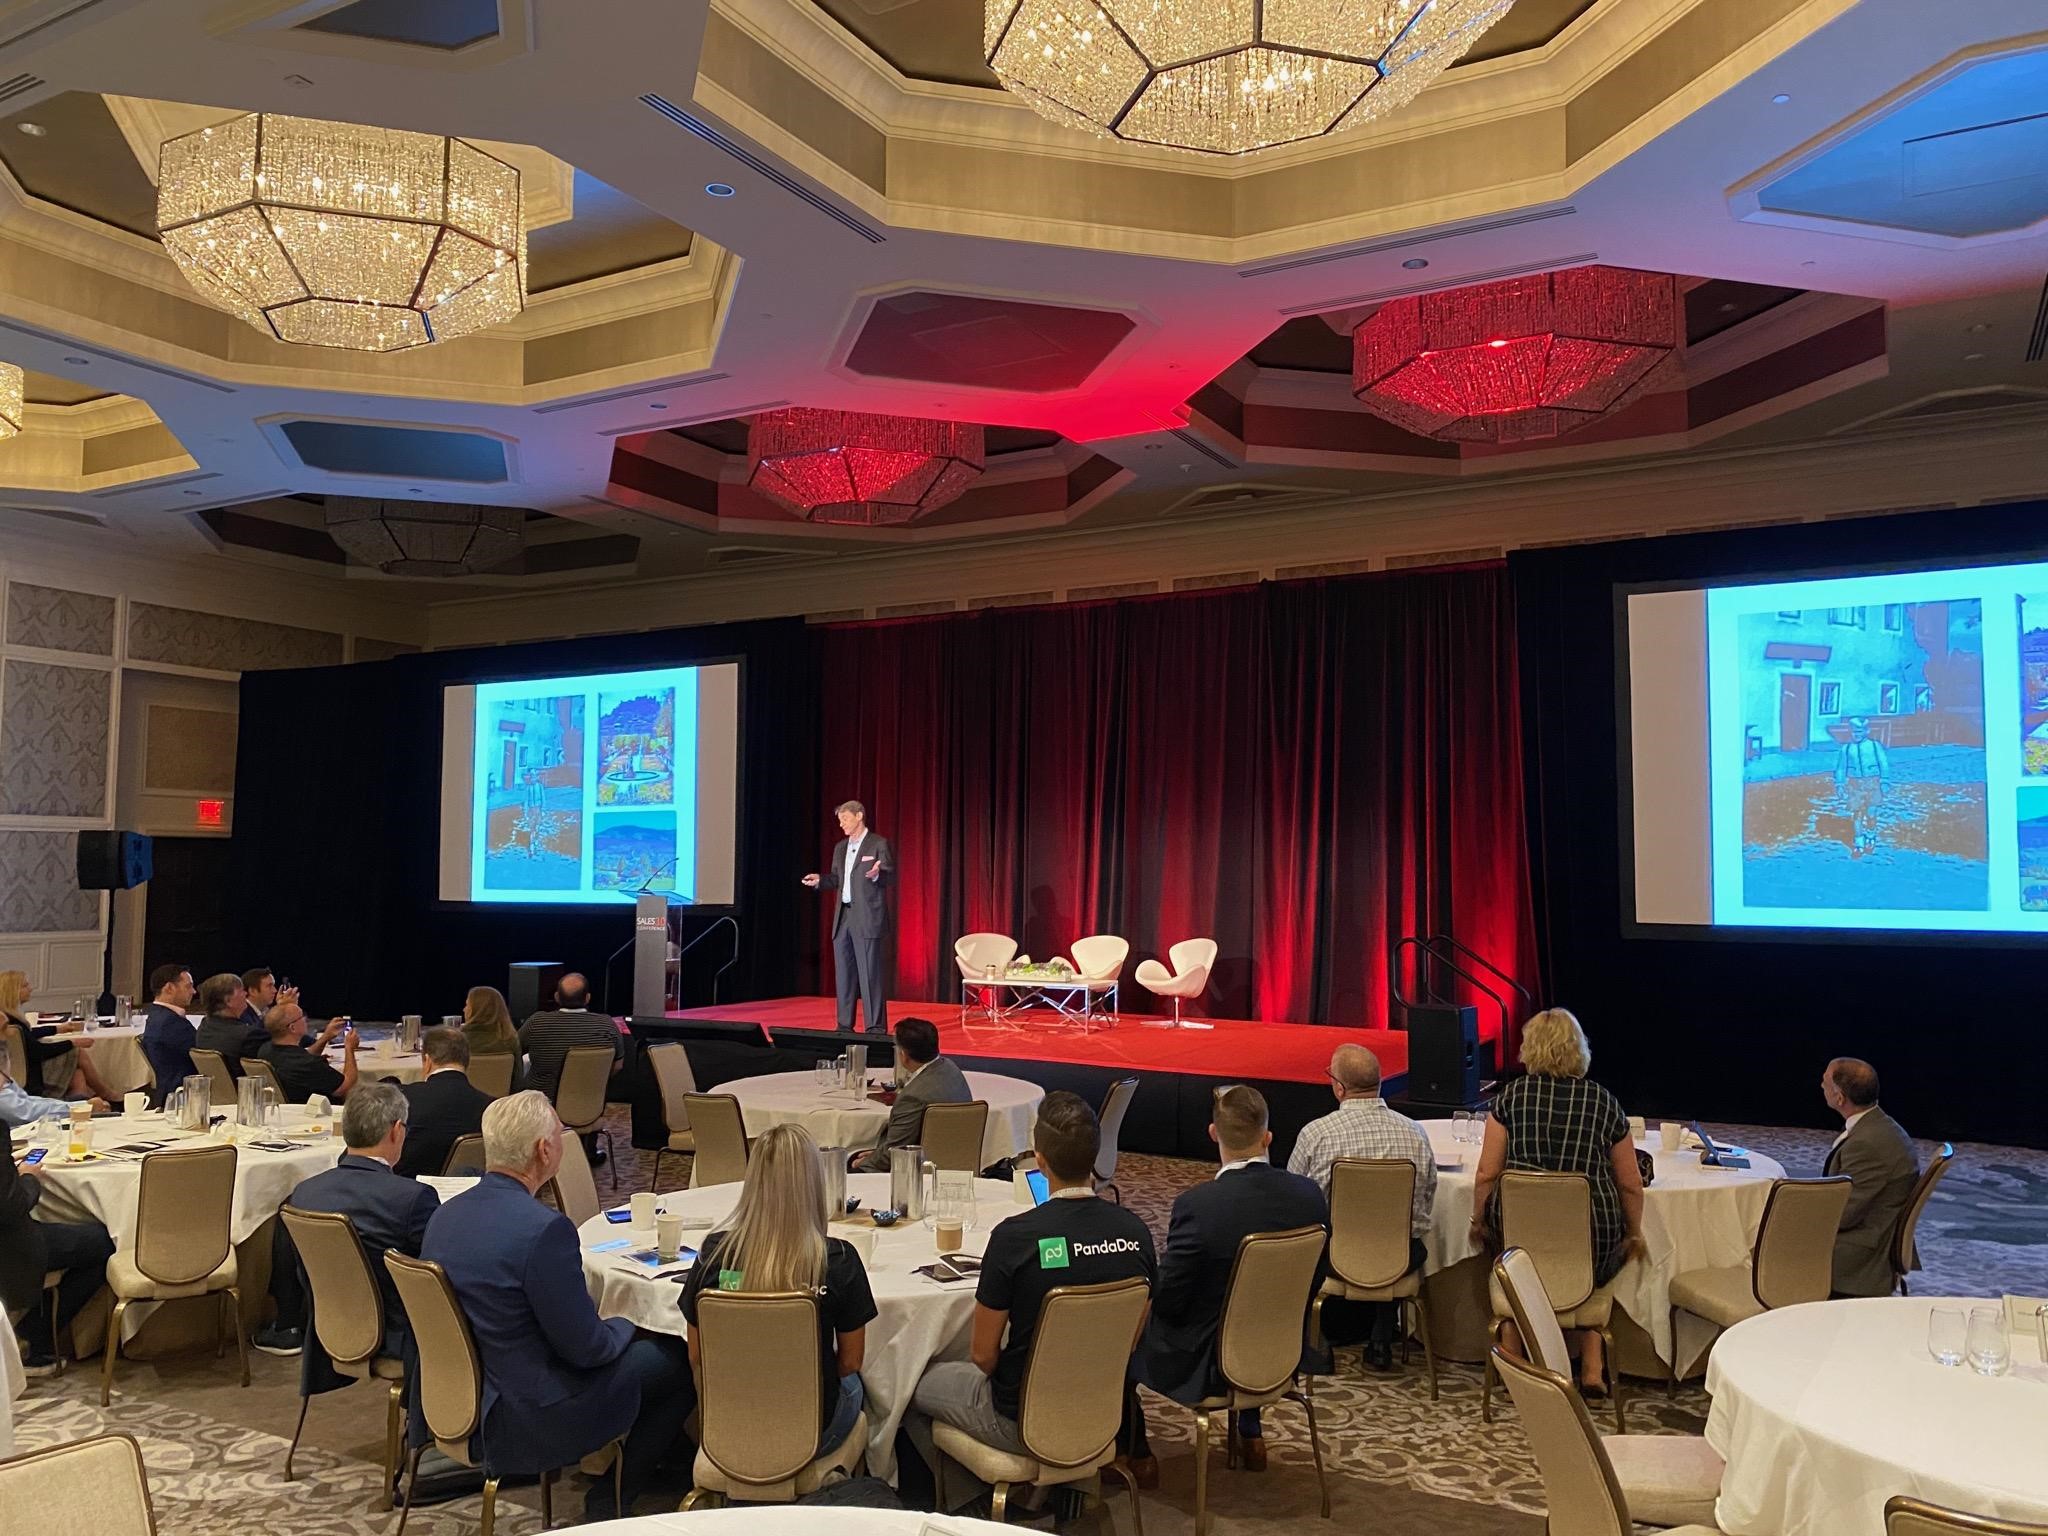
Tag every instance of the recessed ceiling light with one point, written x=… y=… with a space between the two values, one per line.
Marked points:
x=1979 y=328
x=718 y=189
x=1973 y=357
x=79 y=362
x=1780 y=99
x=657 y=405
x=1413 y=264
x=1806 y=263
x=34 y=130
x=191 y=493
x=298 y=80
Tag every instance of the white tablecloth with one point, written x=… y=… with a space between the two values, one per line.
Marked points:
x=837 y=1119
x=1693 y=1218
x=372 y=1066
x=11 y=1384
x=116 y=1053
x=1825 y=1411
x=794 y=1520
x=918 y=1319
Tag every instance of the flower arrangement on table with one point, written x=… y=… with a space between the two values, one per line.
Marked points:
x=1054 y=969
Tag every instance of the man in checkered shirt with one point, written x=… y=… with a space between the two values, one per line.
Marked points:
x=1363 y=1126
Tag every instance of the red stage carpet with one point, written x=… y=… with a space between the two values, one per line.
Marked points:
x=1232 y=1048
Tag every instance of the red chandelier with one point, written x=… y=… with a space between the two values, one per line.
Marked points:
x=1516 y=361
x=859 y=469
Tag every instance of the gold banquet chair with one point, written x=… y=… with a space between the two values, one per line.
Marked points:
x=720 y=1130
x=1550 y=1215
x=672 y=1074
x=348 y=1320
x=1667 y=1479
x=760 y=1410
x=953 y=1135
x=1073 y=1399
x=579 y=1101
x=574 y=1186
x=451 y=1388
x=1905 y=1247
x=491 y=1072
x=260 y=1070
x=1908 y=1516
x=466 y=1154
x=1792 y=1261
x=215 y=1068
x=1584 y=1496
x=97 y=1485
x=1372 y=1204
x=184 y=1219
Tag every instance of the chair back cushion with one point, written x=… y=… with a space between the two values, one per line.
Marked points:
x=184 y=1214
x=1191 y=955
x=1372 y=1202
x=466 y=1155
x=672 y=1075
x=451 y=1382
x=1074 y=1383
x=1905 y=1250
x=1102 y=956
x=1529 y=1304
x=953 y=1133
x=758 y=1364
x=721 y=1132
x=259 y=1069
x=348 y=1306
x=490 y=1072
x=1551 y=1215
x=586 y=1074
x=1578 y=1480
x=1259 y=1346
x=96 y=1485
x=215 y=1066
x=1111 y=1123
x=575 y=1188
x=1794 y=1259
x=976 y=952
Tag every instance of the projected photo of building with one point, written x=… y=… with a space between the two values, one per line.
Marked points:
x=533 y=787
x=2033 y=685
x=1863 y=757
x=636 y=747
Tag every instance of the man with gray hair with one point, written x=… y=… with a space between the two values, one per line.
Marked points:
x=559 y=1381
x=446 y=1105
x=389 y=1212
x=1363 y=1126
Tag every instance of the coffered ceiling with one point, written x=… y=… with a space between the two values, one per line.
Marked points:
x=739 y=206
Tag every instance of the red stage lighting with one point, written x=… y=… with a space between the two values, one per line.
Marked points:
x=860 y=469
x=1516 y=361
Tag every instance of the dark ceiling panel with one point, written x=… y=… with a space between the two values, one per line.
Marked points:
x=80 y=162
x=352 y=448
x=1307 y=345
x=418 y=23
x=957 y=338
x=1720 y=305
x=609 y=233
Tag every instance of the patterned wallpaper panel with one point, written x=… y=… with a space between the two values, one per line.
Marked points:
x=223 y=644
x=53 y=740
x=58 y=620
x=39 y=885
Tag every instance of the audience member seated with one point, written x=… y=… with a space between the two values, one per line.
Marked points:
x=167 y=1035
x=30 y=1249
x=1555 y=1119
x=1363 y=1126
x=302 y=1073
x=776 y=1240
x=559 y=1381
x=389 y=1213
x=1075 y=1238
x=260 y=983
x=20 y=1109
x=1878 y=1157
x=224 y=1002
x=923 y=1077
x=548 y=1035
x=487 y=1023
x=53 y=1064
x=1176 y=1355
x=446 y=1106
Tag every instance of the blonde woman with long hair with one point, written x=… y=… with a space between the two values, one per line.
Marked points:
x=487 y=1025
x=777 y=1241
x=54 y=1065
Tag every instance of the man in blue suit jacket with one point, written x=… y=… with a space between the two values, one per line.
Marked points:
x=1176 y=1355
x=559 y=1381
x=167 y=1035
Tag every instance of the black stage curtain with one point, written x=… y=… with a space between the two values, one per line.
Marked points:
x=1305 y=772
x=1729 y=1027
x=336 y=844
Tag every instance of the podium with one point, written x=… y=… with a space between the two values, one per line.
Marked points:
x=651 y=941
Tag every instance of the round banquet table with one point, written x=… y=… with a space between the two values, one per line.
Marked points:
x=1693 y=1218
x=1826 y=1410
x=918 y=1320
x=373 y=1065
x=116 y=1054
x=835 y=1118
x=798 y=1520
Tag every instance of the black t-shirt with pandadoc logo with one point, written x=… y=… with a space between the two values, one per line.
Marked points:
x=1062 y=1242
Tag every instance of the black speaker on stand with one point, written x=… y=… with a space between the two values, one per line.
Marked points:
x=113 y=861
x=1443 y=1055
x=530 y=987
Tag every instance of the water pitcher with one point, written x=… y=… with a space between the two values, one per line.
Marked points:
x=255 y=1103
x=907 y=1182
x=857 y=1070
x=190 y=1106
x=833 y=1161
x=409 y=1032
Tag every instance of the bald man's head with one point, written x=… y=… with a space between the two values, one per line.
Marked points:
x=1355 y=1072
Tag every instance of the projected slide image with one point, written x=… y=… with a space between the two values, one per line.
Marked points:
x=636 y=741
x=634 y=850
x=533 y=794
x=2033 y=822
x=2033 y=684
x=1863 y=762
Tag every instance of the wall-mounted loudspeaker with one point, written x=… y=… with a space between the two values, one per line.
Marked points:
x=114 y=861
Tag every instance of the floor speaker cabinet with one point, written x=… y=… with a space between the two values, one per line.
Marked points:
x=1443 y=1054
x=530 y=987
x=114 y=861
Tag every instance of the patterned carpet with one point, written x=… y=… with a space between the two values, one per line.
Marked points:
x=1395 y=1459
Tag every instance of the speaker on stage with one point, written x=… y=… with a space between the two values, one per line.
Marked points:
x=114 y=861
x=1443 y=1053
x=530 y=987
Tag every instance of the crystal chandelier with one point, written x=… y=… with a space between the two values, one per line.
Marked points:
x=334 y=235
x=11 y=385
x=1517 y=361
x=1224 y=77
x=425 y=538
x=859 y=469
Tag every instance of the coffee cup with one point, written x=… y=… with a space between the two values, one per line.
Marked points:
x=1638 y=1128
x=668 y=1235
x=951 y=1234
x=134 y=1103
x=1668 y=1134
x=643 y=1213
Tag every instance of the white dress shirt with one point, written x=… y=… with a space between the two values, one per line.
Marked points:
x=846 y=880
x=1848 y=1125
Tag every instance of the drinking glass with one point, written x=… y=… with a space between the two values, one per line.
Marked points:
x=1989 y=1350
x=821 y=1073
x=1945 y=1335
x=1461 y=1125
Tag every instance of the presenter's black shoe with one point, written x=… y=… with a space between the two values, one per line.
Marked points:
x=273 y=1340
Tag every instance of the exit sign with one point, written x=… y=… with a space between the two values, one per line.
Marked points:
x=211 y=812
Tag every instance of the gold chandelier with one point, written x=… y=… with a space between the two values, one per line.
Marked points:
x=1225 y=77
x=11 y=384
x=333 y=235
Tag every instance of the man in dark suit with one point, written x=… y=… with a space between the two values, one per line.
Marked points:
x=30 y=1249
x=1878 y=1157
x=389 y=1213
x=923 y=1077
x=863 y=869
x=559 y=1381
x=1176 y=1355
x=225 y=1028
x=446 y=1106
x=167 y=1035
